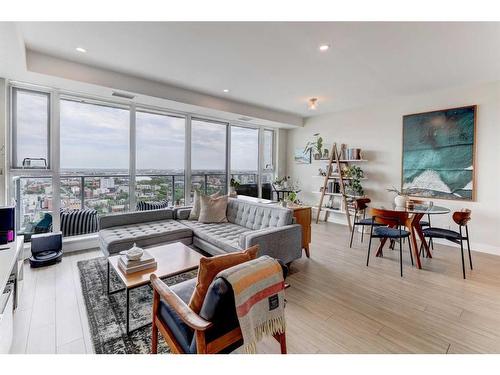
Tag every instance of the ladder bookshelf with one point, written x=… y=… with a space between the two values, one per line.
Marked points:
x=336 y=160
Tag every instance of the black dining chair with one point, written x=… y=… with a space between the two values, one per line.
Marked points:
x=360 y=219
x=392 y=229
x=461 y=218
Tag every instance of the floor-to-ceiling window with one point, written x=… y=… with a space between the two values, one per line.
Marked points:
x=30 y=114
x=98 y=147
x=94 y=161
x=208 y=156
x=160 y=150
x=245 y=159
x=268 y=163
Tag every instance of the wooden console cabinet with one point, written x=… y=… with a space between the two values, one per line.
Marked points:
x=303 y=215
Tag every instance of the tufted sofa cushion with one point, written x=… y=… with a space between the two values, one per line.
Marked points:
x=116 y=239
x=225 y=236
x=257 y=216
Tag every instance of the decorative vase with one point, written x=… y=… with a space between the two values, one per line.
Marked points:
x=317 y=156
x=400 y=200
x=232 y=192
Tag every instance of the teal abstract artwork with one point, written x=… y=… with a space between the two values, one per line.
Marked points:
x=438 y=154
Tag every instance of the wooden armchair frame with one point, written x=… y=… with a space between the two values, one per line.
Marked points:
x=193 y=320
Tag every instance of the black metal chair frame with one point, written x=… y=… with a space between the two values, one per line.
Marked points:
x=360 y=223
x=458 y=241
x=401 y=236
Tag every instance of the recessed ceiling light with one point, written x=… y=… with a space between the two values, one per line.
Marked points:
x=226 y=90
x=81 y=49
x=324 y=47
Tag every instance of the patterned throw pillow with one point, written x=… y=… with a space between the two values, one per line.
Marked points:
x=213 y=210
x=153 y=205
x=195 y=211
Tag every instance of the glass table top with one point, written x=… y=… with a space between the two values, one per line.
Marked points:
x=427 y=209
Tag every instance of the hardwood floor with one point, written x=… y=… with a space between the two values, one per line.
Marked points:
x=335 y=304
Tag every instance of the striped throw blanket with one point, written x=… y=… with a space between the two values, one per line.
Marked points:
x=258 y=287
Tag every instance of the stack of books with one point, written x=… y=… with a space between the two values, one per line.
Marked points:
x=130 y=266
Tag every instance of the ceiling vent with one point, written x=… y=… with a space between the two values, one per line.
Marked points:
x=123 y=95
x=245 y=119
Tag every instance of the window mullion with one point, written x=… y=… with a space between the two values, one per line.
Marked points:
x=187 y=162
x=132 y=161
x=260 y=161
x=55 y=160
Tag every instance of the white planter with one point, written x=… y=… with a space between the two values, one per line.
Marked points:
x=400 y=201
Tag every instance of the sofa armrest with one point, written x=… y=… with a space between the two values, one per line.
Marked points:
x=283 y=243
x=182 y=213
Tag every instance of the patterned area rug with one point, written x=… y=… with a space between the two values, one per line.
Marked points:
x=106 y=314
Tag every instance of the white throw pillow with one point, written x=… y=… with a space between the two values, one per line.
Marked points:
x=213 y=210
x=195 y=211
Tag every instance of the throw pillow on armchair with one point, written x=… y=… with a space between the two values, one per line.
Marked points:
x=210 y=267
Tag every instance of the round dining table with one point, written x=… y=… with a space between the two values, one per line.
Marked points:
x=415 y=214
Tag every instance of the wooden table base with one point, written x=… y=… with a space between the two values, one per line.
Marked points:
x=413 y=225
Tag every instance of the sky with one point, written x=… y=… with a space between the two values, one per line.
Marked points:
x=97 y=137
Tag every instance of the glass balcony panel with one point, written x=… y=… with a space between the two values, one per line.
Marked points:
x=34 y=205
x=107 y=194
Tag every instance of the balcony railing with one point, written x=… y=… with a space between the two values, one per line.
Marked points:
x=110 y=193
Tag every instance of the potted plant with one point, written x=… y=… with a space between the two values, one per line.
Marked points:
x=355 y=174
x=292 y=197
x=233 y=185
x=315 y=146
x=400 y=198
x=281 y=182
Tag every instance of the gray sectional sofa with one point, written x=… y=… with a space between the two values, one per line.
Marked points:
x=248 y=224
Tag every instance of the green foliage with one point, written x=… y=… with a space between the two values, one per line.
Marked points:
x=356 y=174
x=315 y=146
x=234 y=183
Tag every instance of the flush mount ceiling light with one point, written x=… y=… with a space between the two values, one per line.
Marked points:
x=81 y=49
x=225 y=90
x=312 y=104
x=324 y=47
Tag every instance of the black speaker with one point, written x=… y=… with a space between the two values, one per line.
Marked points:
x=7 y=224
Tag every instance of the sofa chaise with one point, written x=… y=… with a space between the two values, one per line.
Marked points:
x=248 y=224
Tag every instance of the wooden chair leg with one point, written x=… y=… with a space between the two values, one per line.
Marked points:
x=201 y=344
x=154 y=328
x=281 y=338
x=154 y=339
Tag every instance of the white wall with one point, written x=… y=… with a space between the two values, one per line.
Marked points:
x=3 y=139
x=377 y=129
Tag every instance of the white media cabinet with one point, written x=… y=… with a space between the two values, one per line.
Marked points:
x=11 y=275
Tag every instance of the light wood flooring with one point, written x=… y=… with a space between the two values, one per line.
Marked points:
x=335 y=304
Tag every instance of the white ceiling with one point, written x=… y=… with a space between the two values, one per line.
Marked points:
x=278 y=65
